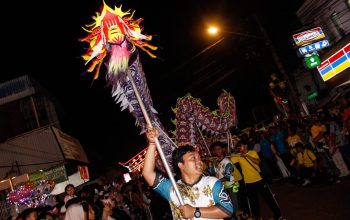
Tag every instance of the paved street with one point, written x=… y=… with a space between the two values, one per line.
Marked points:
x=317 y=202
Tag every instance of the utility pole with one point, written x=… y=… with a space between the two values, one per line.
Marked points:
x=279 y=64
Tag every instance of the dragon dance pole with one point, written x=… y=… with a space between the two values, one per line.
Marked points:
x=205 y=143
x=228 y=142
x=159 y=149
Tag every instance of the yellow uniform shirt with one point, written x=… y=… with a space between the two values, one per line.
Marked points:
x=292 y=140
x=306 y=158
x=250 y=174
x=236 y=174
x=316 y=129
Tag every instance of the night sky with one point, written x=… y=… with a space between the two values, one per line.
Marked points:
x=40 y=38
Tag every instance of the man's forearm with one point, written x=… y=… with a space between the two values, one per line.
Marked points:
x=148 y=171
x=213 y=212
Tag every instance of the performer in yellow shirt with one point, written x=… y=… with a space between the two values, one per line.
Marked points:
x=306 y=162
x=243 y=206
x=249 y=162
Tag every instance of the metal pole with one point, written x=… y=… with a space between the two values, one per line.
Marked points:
x=228 y=142
x=205 y=143
x=159 y=149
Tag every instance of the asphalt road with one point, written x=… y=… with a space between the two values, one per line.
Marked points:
x=318 y=202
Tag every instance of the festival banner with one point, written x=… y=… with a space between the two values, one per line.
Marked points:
x=56 y=173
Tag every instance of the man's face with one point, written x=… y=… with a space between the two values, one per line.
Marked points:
x=192 y=164
x=218 y=151
x=48 y=217
x=70 y=191
x=32 y=216
x=119 y=198
x=243 y=148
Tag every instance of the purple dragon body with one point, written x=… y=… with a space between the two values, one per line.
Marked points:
x=191 y=116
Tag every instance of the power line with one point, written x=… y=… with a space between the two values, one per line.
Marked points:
x=198 y=54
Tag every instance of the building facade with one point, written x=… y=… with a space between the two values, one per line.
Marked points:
x=24 y=106
x=333 y=17
x=32 y=145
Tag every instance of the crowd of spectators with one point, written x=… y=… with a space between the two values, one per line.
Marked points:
x=313 y=149
x=305 y=151
x=105 y=200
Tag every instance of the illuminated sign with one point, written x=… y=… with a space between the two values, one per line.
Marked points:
x=308 y=36
x=312 y=96
x=335 y=64
x=312 y=61
x=314 y=47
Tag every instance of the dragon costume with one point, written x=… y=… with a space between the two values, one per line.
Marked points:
x=114 y=37
x=192 y=118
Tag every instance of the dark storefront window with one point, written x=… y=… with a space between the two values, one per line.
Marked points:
x=337 y=23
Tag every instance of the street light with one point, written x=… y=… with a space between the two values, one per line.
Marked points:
x=213 y=30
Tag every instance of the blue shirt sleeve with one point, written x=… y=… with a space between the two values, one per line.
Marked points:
x=222 y=199
x=228 y=171
x=211 y=169
x=162 y=186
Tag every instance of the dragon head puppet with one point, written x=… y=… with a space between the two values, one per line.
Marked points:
x=114 y=34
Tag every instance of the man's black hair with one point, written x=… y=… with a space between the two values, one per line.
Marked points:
x=218 y=143
x=241 y=142
x=26 y=213
x=293 y=130
x=244 y=136
x=177 y=156
x=299 y=144
x=69 y=185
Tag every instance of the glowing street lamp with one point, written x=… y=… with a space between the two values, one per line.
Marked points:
x=213 y=30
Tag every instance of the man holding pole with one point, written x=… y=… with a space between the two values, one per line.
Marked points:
x=203 y=196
